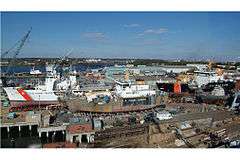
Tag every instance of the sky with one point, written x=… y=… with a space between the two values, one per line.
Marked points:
x=153 y=35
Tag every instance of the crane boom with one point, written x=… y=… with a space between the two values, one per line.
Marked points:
x=22 y=42
x=9 y=50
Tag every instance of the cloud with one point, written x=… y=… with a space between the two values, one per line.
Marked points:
x=95 y=35
x=132 y=25
x=141 y=34
x=154 y=31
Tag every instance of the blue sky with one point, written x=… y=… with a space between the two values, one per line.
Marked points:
x=161 y=35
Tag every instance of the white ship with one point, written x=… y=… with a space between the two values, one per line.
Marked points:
x=20 y=97
x=40 y=95
x=204 y=77
x=128 y=90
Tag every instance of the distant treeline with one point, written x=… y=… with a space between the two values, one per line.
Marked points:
x=135 y=62
x=165 y=62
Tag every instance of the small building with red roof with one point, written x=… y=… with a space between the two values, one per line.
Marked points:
x=80 y=133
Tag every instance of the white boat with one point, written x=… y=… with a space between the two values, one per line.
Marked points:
x=34 y=71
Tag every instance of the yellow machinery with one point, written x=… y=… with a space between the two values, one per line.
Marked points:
x=219 y=71
x=184 y=78
x=126 y=75
x=210 y=65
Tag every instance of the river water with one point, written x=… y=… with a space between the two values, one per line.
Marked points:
x=79 y=67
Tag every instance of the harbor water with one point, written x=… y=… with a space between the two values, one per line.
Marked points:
x=78 y=67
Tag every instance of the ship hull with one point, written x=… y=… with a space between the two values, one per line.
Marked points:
x=19 y=97
x=210 y=99
x=32 y=103
x=226 y=85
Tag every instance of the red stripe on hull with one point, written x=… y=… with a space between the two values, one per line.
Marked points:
x=24 y=94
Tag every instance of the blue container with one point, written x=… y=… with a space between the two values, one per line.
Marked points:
x=75 y=120
x=106 y=99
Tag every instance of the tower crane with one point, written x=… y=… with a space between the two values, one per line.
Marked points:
x=21 y=43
